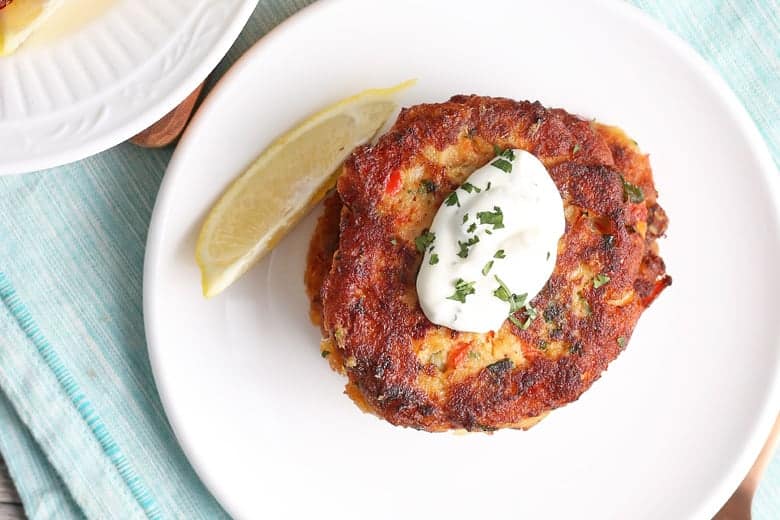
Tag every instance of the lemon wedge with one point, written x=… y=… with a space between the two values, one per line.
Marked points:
x=283 y=183
x=20 y=18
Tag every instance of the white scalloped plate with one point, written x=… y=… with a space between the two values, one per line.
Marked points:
x=92 y=79
x=667 y=432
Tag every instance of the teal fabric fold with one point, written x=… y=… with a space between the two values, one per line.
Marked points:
x=81 y=425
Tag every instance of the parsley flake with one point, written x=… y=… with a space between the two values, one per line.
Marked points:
x=423 y=241
x=503 y=165
x=468 y=187
x=487 y=268
x=434 y=259
x=632 y=192
x=462 y=289
x=507 y=153
x=516 y=301
x=464 y=246
x=472 y=227
x=599 y=280
x=500 y=254
x=621 y=341
x=452 y=199
x=465 y=217
x=575 y=149
x=493 y=218
x=532 y=314
x=487 y=188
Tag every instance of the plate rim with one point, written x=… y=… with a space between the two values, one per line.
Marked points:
x=145 y=117
x=765 y=418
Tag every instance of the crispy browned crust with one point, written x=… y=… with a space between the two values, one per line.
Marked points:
x=417 y=374
x=324 y=243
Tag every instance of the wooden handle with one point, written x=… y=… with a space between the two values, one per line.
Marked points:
x=169 y=128
x=738 y=506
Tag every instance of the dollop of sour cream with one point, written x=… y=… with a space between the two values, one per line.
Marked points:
x=492 y=245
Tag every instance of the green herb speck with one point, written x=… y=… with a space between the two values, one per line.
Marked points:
x=468 y=187
x=464 y=246
x=632 y=192
x=452 y=199
x=599 y=280
x=503 y=165
x=493 y=218
x=487 y=268
x=500 y=254
x=462 y=289
x=423 y=241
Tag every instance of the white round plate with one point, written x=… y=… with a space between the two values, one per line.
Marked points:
x=100 y=71
x=670 y=429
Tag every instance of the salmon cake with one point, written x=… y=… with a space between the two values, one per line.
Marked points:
x=363 y=263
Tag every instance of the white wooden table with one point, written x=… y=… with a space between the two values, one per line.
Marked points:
x=10 y=505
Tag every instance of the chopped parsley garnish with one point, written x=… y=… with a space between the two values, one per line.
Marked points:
x=487 y=188
x=487 y=268
x=325 y=353
x=516 y=301
x=505 y=153
x=621 y=341
x=500 y=254
x=532 y=314
x=465 y=217
x=423 y=241
x=488 y=232
x=472 y=227
x=632 y=192
x=464 y=246
x=517 y=323
x=434 y=259
x=452 y=199
x=548 y=255
x=468 y=187
x=462 y=289
x=599 y=280
x=503 y=165
x=576 y=148
x=427 y=186
x=502 y=293
x=493 y=218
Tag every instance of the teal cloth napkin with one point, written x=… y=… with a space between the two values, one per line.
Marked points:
x=81 y=426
